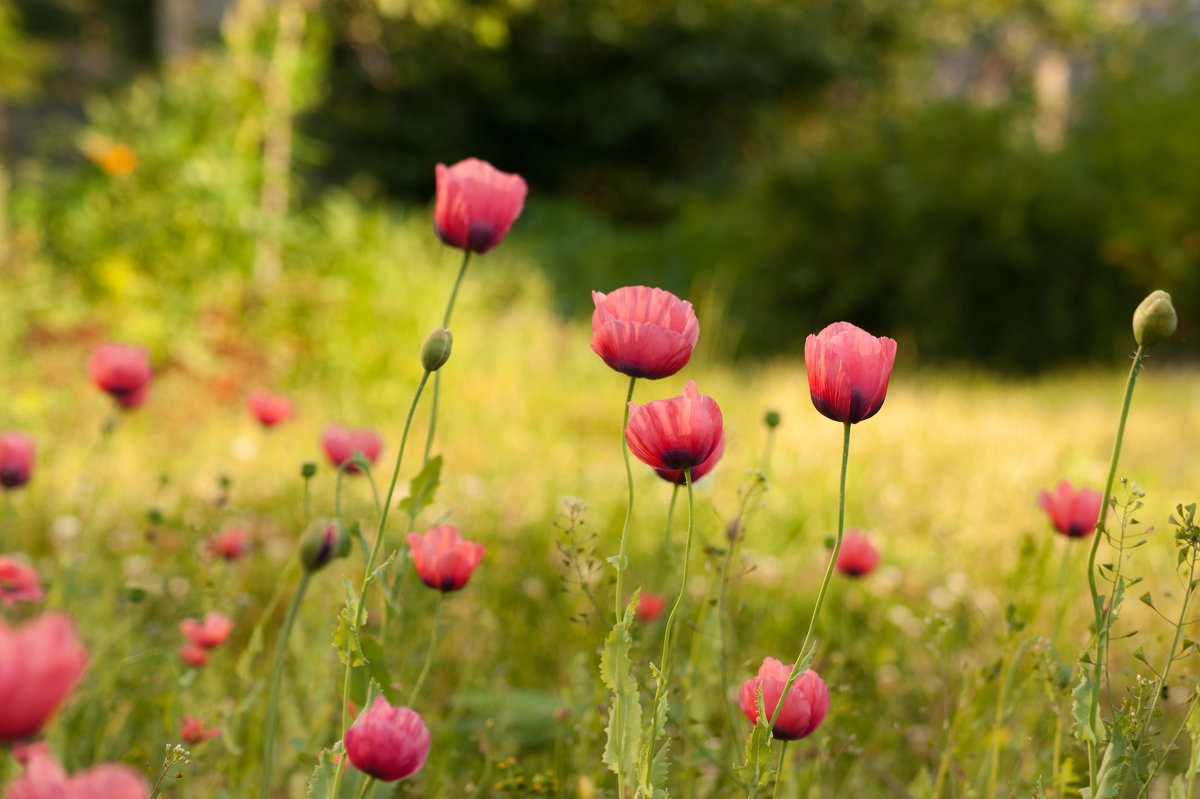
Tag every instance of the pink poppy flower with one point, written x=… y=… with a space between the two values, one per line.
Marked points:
x=858 y=556
x=210 y=633
x=45 y=779
x=650 y=607
x=848 y=371
x=476 y=204
x=16 y=459
x=804 y=709
x=677 y=433
x=389 y=743
x=122 y=371
x=643 y=332
x=676 y=475
x=230 y=544
x=1073 y=513
x=193 y=655
x=18 y=583
x=40 y=662
x=341 y=443
x=443 y=558
x=269 y=409
x=192 y=730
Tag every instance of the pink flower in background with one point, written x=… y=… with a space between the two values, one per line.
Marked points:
x=858 y=556
x=193 y=655
x=16 y=459
x=389 y=743
x=18 y=583
x=676 y=475
x=476 y=204
x=1073 y=513
x=40 y=661
x=443 y=558
x=230 y=544
x=848 y=371
x=45 y=779
x=269 y=409
x=340 y=444
x=210 y=633
x=192 y=730
x=643 y=332
x=804 y=709
x=122 y=371
x=650 y=607
x=675 y=433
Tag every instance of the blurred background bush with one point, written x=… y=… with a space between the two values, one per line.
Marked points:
x=994 y=183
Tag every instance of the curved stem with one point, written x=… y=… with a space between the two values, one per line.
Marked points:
x=437 y=380
x=433 y=642
x=670 y=517
x=276 y=679
x=368 y=574
x=664 y=678
x=462 y=270
x=779 y=770
x=618 y=603
x=1097 y=605
x=367 y=783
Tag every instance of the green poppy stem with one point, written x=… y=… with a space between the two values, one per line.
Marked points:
x=276 y=679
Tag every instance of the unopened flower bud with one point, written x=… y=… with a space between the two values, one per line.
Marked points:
x=308 y=469
x=436 y=349
x=1154 y=320
x=323 y=541
x=772 y=418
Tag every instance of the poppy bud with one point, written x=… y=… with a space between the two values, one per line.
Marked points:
x=323 y=541
x=1154 y=320
x=772 y=418
x=308 y=469
x=436 y=349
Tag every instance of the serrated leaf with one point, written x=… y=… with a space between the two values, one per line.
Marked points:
x=345 y=637
x=624 y=730
x=1081 y=697
x=756 y=769
x=423 y=487
x=1113 y=766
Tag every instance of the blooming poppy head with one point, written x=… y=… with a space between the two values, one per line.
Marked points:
x=677 y=476
x=476 y=204
x=16 y=459
x=192 y=654
x=676 y=433
x=650 y=607
x=193 y=731
x=340 y=444
x=389 y=743
x=443 y=558
x=44 y=778
x=229 y=544
x=209 y=633
x=18 y=583
x=1073 y=513
x=643 y=332
x=848 y=371
x=804 y=709
x=269 y=409
x=40 y=662
x=122 y=371
x=858 y=556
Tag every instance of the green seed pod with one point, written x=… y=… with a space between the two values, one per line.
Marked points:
x=308 y=469
x=1154 y=320
x=772 y=418
x=436 y=349
x=323 y=540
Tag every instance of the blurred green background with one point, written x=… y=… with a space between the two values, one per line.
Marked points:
x=994 y=183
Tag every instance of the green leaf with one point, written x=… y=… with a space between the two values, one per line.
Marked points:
x=1113 y=766
x=756 y=770
x=1081 y=698
x=423 y=487
x=345 y=637
x=625 y=715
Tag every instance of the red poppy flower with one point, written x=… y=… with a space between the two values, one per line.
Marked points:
x=804 y=709
x=443 y=558
x=341 y=443
x=229 y=544
x=389 y=743
x=643 y=332
x=40 y=661
x=650 y=607
x=210 y=633
x=677 y=433
x=476 y=204
x=18 y=583
x=122 y=371
x=269 y=409
x=44 y=778
x=676 y=475
x=1073 y=513
x=192 y=730
x=16 y=459
x=848 y=371
x=193 y=655
x=858 y=556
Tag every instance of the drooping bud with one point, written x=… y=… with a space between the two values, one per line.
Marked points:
x=772 y=419
x=436 y=349
x=323 y=540
x=1154 y=320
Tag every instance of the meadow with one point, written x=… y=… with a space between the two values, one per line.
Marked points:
x=949 y=665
